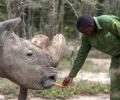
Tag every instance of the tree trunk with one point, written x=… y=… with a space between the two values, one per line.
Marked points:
x=99 y=7
x=60 y=16
x=15 y=8
x=114 y=7
x=52 y=18
x=87 y=8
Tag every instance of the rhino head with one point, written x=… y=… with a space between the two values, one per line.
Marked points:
x=26 y=64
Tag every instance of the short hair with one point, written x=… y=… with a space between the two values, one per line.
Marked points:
x=84 y=21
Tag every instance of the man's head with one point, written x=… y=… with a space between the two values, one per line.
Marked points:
x=86 y=25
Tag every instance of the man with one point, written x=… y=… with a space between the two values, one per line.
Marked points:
x=102 y=33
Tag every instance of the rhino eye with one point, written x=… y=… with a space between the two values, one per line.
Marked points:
x=30 y=53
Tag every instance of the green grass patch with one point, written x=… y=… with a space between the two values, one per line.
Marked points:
x=82 y=87
x=10 y=90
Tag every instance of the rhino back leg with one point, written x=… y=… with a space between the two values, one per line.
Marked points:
x=23 y=94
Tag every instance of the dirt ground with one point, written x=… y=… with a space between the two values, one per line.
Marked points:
x=78 y=97
x=102 y=76
x=85 y=97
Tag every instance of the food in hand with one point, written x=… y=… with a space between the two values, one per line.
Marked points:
x=59 y=85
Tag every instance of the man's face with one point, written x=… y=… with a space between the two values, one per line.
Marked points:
x=87 y=31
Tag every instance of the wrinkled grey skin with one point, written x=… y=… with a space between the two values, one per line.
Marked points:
x=24 y=63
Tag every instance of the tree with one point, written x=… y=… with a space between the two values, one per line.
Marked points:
x=60 y=16
x=87 y=8
x=3 y=10
x=15 y=8
x=114 y=7
x=99 y=7
x=52 y=18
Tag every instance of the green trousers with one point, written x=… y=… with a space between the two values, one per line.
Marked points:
x=115 y=78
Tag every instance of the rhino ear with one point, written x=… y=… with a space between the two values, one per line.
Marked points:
x=9 y=24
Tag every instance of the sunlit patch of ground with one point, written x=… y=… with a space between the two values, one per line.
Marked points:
x=96 y=70
x=89 y=76
x=78 y=97
x=89 y=97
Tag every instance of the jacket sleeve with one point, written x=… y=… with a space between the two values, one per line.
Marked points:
x=81 y=56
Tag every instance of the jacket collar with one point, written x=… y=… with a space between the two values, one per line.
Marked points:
x=97 y=23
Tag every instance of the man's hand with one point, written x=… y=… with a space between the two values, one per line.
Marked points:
x=67 y=81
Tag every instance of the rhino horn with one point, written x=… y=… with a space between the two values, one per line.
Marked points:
x=56 y=49
x=9 y=25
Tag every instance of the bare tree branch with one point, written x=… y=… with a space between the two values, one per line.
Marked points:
x=72 y=7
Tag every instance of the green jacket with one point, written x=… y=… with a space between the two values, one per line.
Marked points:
x=106 y=39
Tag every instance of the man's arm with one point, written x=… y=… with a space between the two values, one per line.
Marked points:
x=81 y=56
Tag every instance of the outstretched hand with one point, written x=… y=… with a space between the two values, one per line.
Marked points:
x=67 y=81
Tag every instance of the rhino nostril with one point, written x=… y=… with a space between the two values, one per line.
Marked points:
x=29 y=53
x=52 y=77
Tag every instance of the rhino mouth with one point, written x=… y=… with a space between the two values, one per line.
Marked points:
x=48 y=82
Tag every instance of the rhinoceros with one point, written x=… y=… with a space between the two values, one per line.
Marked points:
x=40 y=40
x=26 y=64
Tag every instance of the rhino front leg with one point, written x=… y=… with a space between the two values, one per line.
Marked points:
x=22 y=93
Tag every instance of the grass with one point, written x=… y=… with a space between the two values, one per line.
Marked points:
x=82 y=87
x=10 y=90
